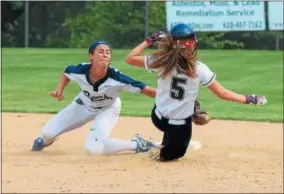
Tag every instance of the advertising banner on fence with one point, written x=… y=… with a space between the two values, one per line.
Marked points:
x=275 y=15
x=217 y=15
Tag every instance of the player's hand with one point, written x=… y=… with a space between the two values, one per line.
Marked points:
x=253 y=99
x=156 y=36
x=57 y=94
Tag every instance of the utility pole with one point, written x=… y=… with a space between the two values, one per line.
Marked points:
x=26 y=23
x=146 y=18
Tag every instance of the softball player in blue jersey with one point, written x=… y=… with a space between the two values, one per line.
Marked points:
x=98 y=100
x=179 y=75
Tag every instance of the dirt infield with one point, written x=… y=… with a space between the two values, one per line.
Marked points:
x=235 y=157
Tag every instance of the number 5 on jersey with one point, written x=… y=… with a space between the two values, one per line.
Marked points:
x=177 y=90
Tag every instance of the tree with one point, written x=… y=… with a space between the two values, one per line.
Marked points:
x=45 y=20
x=10 y=12
x=121 y=26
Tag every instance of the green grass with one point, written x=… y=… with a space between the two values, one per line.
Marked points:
x=29 y=74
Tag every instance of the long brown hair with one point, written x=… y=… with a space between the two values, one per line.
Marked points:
x=168 y=57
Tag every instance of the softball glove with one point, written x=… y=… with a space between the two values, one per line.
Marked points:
x=200 y=117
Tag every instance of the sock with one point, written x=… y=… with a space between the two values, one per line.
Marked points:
x=47 y=140
x=112 y=146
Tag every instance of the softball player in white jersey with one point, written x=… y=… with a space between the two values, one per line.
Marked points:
x=179 y=74
x=99 y=100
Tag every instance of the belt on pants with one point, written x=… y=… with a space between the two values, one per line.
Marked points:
x=170 y=121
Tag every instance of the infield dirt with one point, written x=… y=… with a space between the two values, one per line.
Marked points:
x=236 y=156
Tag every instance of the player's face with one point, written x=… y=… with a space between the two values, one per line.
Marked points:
x=101 y=56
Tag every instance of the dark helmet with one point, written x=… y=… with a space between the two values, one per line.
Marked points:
x=182 y=31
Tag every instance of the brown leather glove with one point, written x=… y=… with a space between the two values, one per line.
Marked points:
x=200 y=117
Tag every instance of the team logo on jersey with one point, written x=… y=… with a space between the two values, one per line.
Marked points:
x=96 y=98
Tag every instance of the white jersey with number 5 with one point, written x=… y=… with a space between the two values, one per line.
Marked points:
x=177 y=92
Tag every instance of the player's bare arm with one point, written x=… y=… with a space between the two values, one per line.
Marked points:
x=134 y=58
x=149 y=91
x=229 y=95
x=58 y=93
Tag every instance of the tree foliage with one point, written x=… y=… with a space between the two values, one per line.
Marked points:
x=122 y=23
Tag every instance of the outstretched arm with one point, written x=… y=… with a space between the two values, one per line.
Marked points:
x=62 y=83
x=228 y=95
x=149 y=91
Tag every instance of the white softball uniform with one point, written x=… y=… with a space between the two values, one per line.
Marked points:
x=99 y=101
x=177 y=92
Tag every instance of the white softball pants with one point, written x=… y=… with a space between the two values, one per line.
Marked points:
x=97 y=141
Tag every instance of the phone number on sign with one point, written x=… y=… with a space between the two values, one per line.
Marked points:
x=243 y=25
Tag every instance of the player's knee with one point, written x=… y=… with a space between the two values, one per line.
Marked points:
x=95 y=147
x=181 y=150
x=169 y=153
